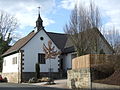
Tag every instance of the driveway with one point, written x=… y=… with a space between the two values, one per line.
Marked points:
x=25 y=86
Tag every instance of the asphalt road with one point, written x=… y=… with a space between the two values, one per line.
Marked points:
x=13 y=86
x=31 y=88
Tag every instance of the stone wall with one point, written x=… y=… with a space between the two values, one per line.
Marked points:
x=12 y=77
x=15 y=78
x=79 y=78
x=88 y=68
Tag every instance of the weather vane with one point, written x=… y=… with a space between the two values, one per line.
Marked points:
x=39 y=9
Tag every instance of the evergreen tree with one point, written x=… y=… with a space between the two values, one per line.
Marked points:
x=4 y=46
x=37 y=67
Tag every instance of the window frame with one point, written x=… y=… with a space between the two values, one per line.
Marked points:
x=14 y=60
x=41 y=58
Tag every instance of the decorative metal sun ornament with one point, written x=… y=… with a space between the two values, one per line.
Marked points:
x=50 y=52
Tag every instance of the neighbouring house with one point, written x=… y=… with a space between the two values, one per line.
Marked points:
x=19 y=61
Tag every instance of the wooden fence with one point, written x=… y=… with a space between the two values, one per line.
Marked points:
x=90 y=60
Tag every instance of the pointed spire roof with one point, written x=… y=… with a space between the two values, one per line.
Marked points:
x=39 y=22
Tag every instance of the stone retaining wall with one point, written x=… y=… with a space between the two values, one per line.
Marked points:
x=79 y=78
x=90 y=67
x=15 y=78
x=12 y=77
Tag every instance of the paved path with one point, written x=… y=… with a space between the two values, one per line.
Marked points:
x=14 y=86
x=58 y=84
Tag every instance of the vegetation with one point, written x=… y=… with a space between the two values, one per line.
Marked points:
x=8 y=25
x=113 y=37
x=4 y=45
x=37 y=67
x=82 y=20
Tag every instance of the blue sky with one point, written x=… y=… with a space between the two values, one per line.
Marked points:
x=56 y=13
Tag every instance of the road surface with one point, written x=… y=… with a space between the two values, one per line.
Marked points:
x=14 y=86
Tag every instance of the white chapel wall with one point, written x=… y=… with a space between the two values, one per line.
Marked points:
x=8 y=65
x=31 y=50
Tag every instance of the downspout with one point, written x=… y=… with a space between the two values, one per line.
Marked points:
x=18 y=68
x=21 y=61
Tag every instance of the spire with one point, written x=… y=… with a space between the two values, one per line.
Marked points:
x=39 y=22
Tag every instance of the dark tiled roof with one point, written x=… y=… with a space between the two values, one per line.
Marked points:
x=69 y=49
x=20 y=43
x=57 y=38
x=103 y=38
x=68 y=43
x=62 y=41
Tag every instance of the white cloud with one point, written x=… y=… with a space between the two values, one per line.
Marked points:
x=26 y=10
x=68 y=4
x=109 y=9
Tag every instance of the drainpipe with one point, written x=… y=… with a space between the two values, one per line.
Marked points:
x=21 y=51
x=18 y=68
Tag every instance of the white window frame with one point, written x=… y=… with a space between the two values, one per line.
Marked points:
x=14 y=60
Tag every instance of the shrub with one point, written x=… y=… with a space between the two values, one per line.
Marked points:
x=37 y=70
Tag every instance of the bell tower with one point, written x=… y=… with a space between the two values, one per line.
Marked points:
x=39 y=22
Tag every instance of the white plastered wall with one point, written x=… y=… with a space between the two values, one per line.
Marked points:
x=31 y=50
x=8 y=65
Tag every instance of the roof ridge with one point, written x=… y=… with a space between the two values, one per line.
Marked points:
x=57 y=33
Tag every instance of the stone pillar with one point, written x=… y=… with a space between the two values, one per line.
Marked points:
x=79 y=78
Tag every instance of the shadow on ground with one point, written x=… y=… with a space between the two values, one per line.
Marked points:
x=31 y=88
x=47 y=88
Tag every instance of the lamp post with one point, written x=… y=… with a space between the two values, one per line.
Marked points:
x=50 y=53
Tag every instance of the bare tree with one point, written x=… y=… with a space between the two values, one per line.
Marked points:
x=7 y=25
x=50 y=53
x=82 y=20
x=113 y=37
x=94 y=15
